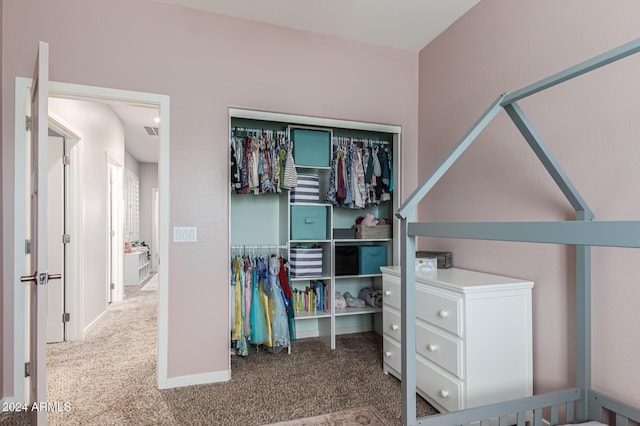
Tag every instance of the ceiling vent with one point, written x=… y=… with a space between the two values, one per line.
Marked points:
x=152 y=131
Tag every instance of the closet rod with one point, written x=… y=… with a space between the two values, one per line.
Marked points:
x=259 y=246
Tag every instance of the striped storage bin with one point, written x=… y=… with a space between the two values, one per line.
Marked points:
x=306 y=262
x=307 y=191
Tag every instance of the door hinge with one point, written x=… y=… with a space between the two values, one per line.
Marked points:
x=28 y=124
x=66 y=317
x=27 y=246
x=66 y=238
x=113 y=286
x=66 y=160
x=27 y=369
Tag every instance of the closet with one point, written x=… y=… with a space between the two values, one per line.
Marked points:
x=311 y=225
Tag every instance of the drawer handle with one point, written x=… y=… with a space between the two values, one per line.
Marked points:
x=387 y=292
x=443 y=313
x=394 y=327
x=432 y=348
x=309 y=220
x=387 y=354
x=444 y=393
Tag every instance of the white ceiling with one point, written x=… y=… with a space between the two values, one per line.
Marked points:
x=404 y=24
x=140 y=145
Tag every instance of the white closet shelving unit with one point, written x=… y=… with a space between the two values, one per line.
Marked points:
x=250 y=235
x=136 y=266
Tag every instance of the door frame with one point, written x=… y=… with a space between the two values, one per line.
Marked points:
x=155 y=197
x=99 y=94
x=74 y=253
x=117 y=295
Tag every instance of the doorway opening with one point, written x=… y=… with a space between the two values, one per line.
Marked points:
x=80 y=201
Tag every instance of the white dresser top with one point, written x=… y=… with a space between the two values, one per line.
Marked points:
x=463 y=280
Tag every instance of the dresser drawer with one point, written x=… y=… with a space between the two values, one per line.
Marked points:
x=391 y=323
x=443 y=390
x=391 y=291
x=391 y=355
x=439 y=309
x=440 y=348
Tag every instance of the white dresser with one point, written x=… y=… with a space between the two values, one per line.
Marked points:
x=473 y=336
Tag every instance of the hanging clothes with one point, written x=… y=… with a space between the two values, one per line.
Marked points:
x=361 y=173
x=262 y=311
x=259 y=161
x=279 y=320
x=258 y=318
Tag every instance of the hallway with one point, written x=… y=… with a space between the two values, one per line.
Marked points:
x=110 y=376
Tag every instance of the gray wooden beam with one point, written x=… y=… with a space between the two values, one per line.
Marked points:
x=411 y=203
x=408 y=322
x=583 y=324
x=544 y=155
x=601 y=60
x=602 y=233
x=486 y=412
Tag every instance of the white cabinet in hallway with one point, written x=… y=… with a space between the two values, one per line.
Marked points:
x=136 y=266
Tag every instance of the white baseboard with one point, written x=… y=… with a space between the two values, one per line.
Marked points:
x=196 y=379
x=354 y=329
x=303 y=334
x=93 y=324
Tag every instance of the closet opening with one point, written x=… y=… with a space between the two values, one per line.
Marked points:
x=324 y=192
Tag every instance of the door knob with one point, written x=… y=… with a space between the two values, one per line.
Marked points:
x=29 y=278
x=40 y=279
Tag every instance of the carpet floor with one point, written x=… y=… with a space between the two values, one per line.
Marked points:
x=110 y=379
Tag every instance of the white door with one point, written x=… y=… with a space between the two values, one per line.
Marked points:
x=113 y=245
x=55 y=231
x=39 y=277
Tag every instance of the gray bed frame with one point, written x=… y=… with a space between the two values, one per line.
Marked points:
x=580 y=403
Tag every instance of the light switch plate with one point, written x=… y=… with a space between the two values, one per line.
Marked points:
x=185 y=234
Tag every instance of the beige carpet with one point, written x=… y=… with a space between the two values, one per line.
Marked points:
x=151 y=284
x=355 y=417
x=110 y=379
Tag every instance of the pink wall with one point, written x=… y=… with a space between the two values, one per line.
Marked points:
x=592 y=127
x=206 y=63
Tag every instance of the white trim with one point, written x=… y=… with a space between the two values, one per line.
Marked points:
x=304 y=334
x=312 y=121
x=155 y=197
x=89 y=328
x=198 y=379
x=118 y=292
x=163 y=237
x=83 y=92
x=75 y=272
x=74 y=259
x=350 y=329
x=61 y=126
x=23 y=85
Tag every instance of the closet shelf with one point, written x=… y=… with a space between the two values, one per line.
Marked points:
x=313 y=167
x=362 y=240
x=337 y=277
x=357 y=311
x=311 y=315
x=310 y=204
x=320 y=278
x=308 y=241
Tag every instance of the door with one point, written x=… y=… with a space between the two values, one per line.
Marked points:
x=55 y=231
x=37 y=260
x=112 y=213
